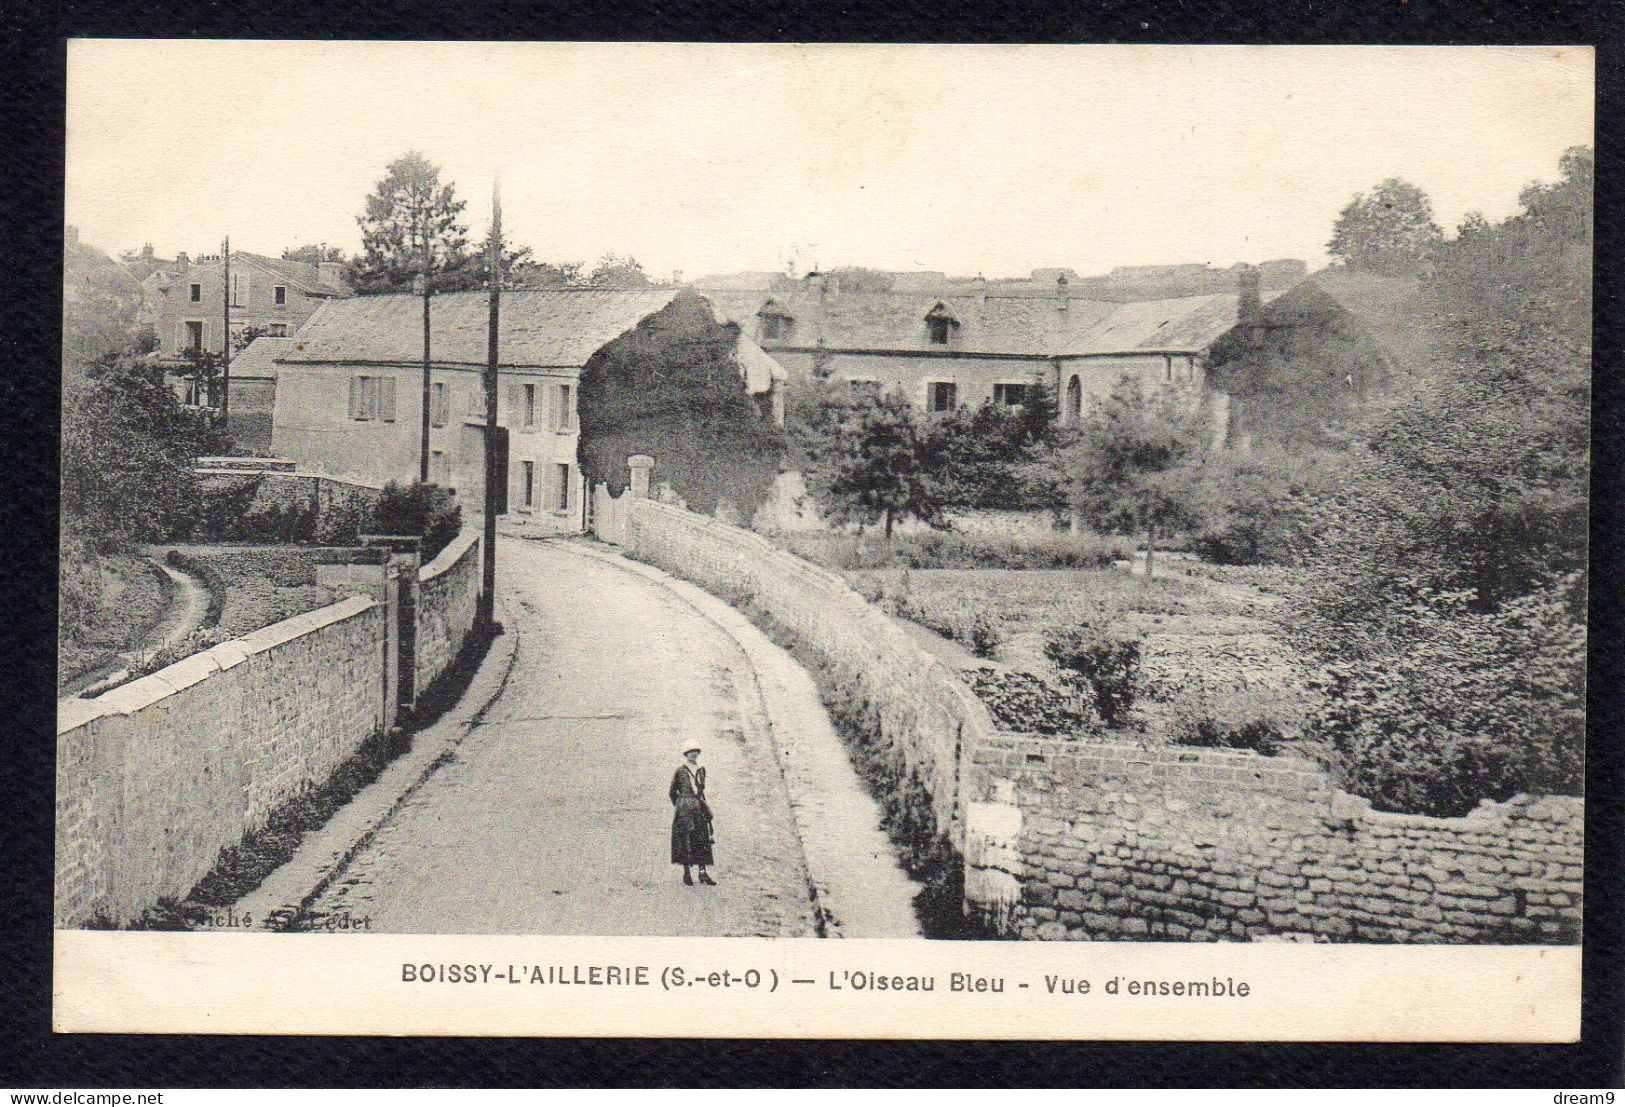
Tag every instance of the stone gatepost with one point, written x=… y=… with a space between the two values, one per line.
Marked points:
x=640 y=465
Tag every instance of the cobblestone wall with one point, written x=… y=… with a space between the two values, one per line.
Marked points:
x=448 y=596
x=1109 y=841
x=154 y=778
x=924 y=713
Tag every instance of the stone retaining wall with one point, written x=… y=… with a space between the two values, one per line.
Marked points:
x=337 y=507
x=447 y=599
x=925 y=714
x=154 y=778
x=1110 y=841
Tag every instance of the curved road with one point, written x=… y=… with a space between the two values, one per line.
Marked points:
x=551 y=816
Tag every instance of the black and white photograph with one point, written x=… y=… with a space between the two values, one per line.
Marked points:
x=1043 y=503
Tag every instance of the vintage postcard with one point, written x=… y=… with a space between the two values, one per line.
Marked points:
x=824 y=541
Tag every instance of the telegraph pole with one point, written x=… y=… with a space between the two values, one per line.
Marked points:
x=225 y=337
x=487 y=606
x=423 y=287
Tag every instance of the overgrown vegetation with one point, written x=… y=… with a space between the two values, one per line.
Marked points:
x=671 y=389
x=1102 y=662
x=421 y=509
x=1448 y=575
x=946 y=549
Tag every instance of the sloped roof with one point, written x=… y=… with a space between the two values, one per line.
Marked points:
x=304 y=275
x=1027 y=325
x=259 y=359
x=541 y=327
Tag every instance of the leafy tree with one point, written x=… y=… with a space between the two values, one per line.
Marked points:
x=100 y=305
x=1258 y=506
x=1446 y=595
x=245 y=338
x=412 y=224
x=614 y=271
x=127 y=452
x=547 y=274
x=997 y=456
x=877 y=464
x=472 y=270
x=313 y=254
x=1130 y=464
x=1390 y=231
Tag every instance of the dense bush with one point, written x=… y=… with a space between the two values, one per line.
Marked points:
x=418 y=509
x=1257 y=507
x=1103 y=663
x=1232 y=719
x=1027 y=703
x=967 y=621
x=1477 y=706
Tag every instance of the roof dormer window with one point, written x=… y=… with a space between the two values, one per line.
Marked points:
x=773 y=323
x=940 y=325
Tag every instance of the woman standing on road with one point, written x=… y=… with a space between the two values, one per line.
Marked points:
x=691 y=818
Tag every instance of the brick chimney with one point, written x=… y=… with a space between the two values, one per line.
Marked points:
x=1062 y=295
x=1249 y=304
x=182 y=261
x=331 y=272
x=676 y=276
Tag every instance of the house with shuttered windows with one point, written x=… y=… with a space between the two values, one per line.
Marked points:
x=350 y=397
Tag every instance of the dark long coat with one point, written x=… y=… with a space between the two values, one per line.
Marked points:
x=690 y=818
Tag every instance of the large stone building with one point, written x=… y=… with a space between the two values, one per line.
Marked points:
x=349 y=388
x=950 y=344
x=272 y=295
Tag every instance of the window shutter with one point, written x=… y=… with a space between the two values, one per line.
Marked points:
x=516 y=401
x=355 y=397
x=386 y=399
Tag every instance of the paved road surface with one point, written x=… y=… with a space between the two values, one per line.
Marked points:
x=552 y=817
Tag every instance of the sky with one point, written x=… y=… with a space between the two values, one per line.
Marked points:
x=712 y=158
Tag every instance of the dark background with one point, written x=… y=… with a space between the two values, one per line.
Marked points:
x=31 y=1057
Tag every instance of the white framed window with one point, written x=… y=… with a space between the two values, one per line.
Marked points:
x=561 y=487
x=279 y=295
x=1011 y=394
x=941 y=396
x=277 y=330
x=527 y=484
x=439 y=405
x=194 y=334
x=372 y=398
x=529 y=403
x=440 y=468
x=564 y=416
x=196 y=293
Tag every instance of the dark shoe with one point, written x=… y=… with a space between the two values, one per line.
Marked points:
x=705 y=878
x=689 y=879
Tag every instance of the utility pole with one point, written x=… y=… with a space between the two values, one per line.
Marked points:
x=487 y=605
x=424 y=288
x=225 y=337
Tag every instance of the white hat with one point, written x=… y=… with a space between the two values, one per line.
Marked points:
x=689 y=746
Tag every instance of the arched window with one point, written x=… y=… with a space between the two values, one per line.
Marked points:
x=1074 y=399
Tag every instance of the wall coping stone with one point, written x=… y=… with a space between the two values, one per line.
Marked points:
x=449 y=556
x=145 y=691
